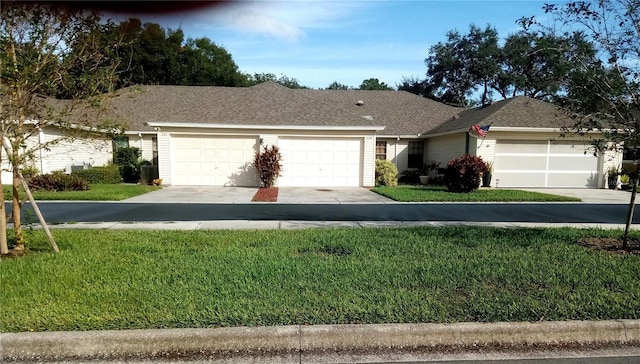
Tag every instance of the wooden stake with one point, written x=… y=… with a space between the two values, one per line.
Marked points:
x=33 y=201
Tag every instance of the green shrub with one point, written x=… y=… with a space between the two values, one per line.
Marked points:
x=103 y=175
x=386 y=173
x=410 y=177
x=128 y=158
x=30 y=171
x=58 y=182
x=463 y=174
x=268 y=165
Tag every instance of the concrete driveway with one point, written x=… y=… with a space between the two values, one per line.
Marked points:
x=293 y=195
x=589 y=195
x=211 y=194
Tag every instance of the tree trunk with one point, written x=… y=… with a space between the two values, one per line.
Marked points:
x=17 y=224
x=4 y=247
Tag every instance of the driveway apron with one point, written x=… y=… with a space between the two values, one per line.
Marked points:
x=290 y=195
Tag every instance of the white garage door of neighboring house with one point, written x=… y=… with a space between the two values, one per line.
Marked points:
x=318 y=162
x=213 y=160
x=544 y=163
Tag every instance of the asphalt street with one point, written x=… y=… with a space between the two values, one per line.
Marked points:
x=61 y=212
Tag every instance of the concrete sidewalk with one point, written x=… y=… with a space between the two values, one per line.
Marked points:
x=316 y=343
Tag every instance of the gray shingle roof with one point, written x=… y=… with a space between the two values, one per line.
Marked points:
x=518 y=112
x=270 y=104
x=138 y=105
x=402 y=113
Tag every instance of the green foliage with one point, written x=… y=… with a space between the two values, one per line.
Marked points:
x=104 y=174
x=374 y=84
x=441 y=194
x=386 y=173
x=126 y=155
x=128 y=160
x=463 y=174
x=409 y=176
x=335 y=85
x=155 y=55
x=268 y=164
x=541 y=65
x=133 y=279
x=30 y=170
x=58 y=182
x=290 y=82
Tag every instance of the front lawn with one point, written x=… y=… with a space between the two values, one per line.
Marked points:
x=440 y=194
x=104 y=279
x=97 y=192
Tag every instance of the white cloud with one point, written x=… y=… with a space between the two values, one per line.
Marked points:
x=284 y=20
x=250 y=21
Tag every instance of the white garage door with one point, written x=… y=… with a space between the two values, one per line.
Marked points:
x=544 y=163
x=318 y=162
x=213 y=160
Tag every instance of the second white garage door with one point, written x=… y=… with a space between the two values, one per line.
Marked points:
x=213 y=160
x=321 y=162
x=544 y=163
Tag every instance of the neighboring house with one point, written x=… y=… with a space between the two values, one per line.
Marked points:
x=524 y=144
x=65 y=154
x=209 y=135
x=204 y=135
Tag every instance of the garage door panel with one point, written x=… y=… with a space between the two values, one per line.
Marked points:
x=519 y=179
x=320 y=161
x=568 y=148
x=213 y=160
x=519 y=163
x=544 y=164
x=589 y=180
x=520 y=146
x=573 y=164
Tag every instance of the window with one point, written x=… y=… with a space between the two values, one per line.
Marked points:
x=381 y=150
x=416 y=152
x=154 y=149
x=120 y=142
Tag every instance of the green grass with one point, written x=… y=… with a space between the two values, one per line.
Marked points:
x=97 y=192
x=175 y=279
x=440 y=194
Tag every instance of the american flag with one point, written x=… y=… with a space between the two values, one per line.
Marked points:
x=479 y=130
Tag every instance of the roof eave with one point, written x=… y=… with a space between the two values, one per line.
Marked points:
x=156 y=124
x=497 y=128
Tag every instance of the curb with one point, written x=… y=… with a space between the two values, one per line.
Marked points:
x=296 y=341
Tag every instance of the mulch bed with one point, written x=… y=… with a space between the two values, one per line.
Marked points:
x=266 y=195
x=613 y=245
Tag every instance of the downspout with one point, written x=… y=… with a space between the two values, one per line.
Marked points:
x=466 y=144
x=395 y=151
x=141 y=145
x=41 y=141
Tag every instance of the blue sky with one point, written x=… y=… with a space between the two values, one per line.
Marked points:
x=318 y=42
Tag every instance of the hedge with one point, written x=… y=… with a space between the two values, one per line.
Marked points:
x=107 y=174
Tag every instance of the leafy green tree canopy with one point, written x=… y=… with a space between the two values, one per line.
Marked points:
x=374 y=84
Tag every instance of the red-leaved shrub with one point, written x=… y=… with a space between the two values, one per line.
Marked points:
x=268 y=165
x=463 y=174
